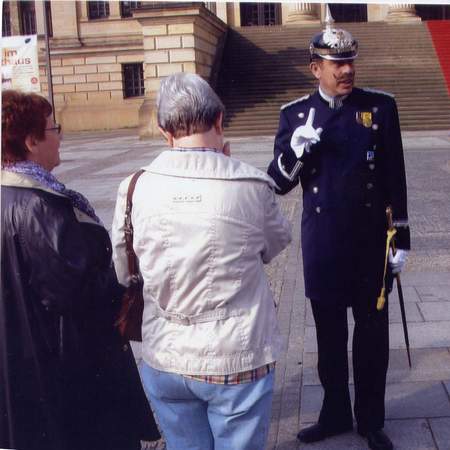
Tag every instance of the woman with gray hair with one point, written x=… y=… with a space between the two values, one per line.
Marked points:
x=204 y=225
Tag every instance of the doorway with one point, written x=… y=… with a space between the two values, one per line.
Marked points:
x=433 y=12
x=356 y=12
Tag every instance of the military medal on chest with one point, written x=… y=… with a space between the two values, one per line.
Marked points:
x=364 y=118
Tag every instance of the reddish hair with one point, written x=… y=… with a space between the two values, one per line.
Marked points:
x=22 y=115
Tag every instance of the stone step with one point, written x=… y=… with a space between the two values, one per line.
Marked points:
x=292 y=92
x=263 y=129
x=269 y=128
x=414 y=104
x=257 y=119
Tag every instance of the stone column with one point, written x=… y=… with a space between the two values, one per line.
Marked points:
x=114 y=10
x=15 y=21
x=65 y=24
x=221 y=11
x=39 y=14
x=82 y=9
x=148 y=122
x=402 y=12
x=302 y=13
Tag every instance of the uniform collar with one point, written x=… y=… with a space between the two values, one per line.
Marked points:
x=333 y=102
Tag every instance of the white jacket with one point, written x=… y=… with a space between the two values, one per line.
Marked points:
x=204 y=224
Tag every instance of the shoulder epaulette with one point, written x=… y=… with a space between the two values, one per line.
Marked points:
x=378 y=91
x=301 y=99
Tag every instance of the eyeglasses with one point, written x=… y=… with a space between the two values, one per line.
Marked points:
x=56 y=127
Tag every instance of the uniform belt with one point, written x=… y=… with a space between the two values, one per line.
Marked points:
x=183 y=319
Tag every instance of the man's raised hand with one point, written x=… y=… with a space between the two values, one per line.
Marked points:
x=305 y=135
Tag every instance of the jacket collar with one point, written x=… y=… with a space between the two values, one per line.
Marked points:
x=205 y=165
x=14 y=179
x=20 y=180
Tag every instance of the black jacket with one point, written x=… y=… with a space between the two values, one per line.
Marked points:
x=67 y=380
x=348 y=180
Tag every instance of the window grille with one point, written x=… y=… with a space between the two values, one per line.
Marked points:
x=133 y=80
x=27 y=17
x=126 y=8
x=98 y=10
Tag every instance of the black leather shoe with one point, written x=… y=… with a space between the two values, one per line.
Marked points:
x=318 y=432
x=377 y=440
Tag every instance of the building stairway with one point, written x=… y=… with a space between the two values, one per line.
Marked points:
x=265 y=67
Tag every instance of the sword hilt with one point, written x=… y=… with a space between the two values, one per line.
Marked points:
x=390 y=226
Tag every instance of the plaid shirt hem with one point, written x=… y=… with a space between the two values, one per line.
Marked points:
x=249 y=376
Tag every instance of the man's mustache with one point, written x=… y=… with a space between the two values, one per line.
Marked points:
x=344 y=79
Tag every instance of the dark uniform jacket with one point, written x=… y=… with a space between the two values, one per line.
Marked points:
x=348 y=180
x=67 y=381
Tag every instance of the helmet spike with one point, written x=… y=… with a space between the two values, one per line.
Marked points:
x=328 y=17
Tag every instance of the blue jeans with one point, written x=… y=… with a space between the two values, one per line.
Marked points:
x=195 y=415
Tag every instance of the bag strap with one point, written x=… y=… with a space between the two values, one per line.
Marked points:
x=128 y=228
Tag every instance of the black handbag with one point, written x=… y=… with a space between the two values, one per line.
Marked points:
x=129 y=321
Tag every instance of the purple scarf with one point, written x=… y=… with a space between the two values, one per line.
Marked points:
x=44 y=177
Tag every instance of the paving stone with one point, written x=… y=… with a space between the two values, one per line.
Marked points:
x=415 y=400
x=432 y=364
x=77 y=155
x=346 y=441
x=424 y=142
x=425 y=278
x=434 y=293
x=427 y=365
x=403 y=401
x=409 y=294
x=421 y=335
x=310 y=340
x=311 y=402
x=411 y=311
x=441 y=432
x=435 y=311
x=412 y=434
x=447 y=386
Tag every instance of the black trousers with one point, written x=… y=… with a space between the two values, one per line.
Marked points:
x=370 y=363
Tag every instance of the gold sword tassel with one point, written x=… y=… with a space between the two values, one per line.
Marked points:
x=390 y=234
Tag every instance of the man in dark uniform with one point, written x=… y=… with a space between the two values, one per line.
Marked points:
x=343 y=145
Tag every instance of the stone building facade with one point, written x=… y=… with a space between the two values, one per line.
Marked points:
x=107 y=57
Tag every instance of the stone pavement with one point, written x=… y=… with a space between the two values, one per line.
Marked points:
x=417 y=400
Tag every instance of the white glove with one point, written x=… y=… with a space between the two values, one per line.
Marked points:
x=398 y=260
x=305 y=135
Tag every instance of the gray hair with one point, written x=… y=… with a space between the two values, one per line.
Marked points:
x=187 y=105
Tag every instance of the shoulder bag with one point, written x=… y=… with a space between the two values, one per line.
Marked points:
x=129 y=321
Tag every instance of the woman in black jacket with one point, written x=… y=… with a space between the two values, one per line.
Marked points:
x=67 y=380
